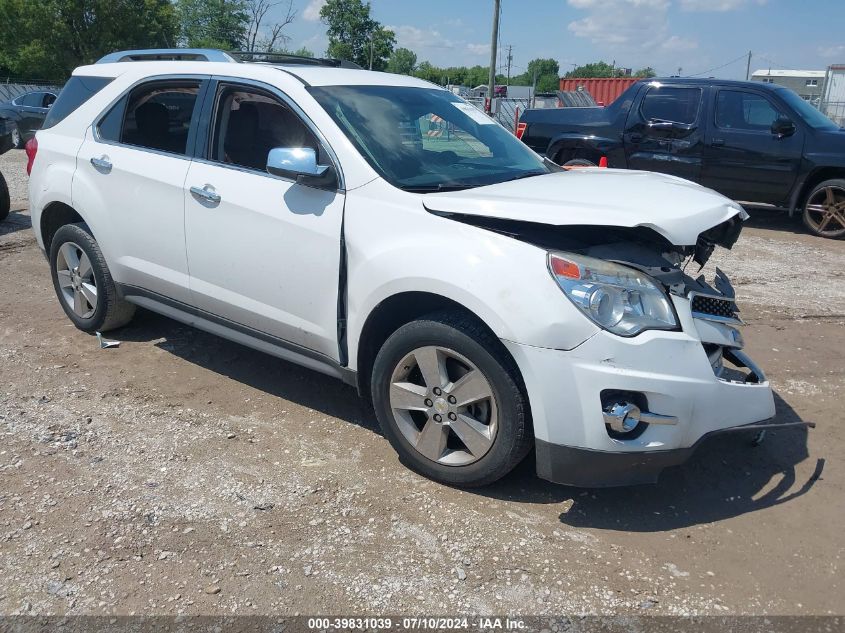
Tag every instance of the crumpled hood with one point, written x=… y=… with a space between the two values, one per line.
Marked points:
x=677 y=209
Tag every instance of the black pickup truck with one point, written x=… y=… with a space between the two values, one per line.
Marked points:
x=753 y=142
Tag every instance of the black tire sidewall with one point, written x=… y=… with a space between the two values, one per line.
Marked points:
x=834 y=182
x=511 y=412
x=82 y=238
x=5 y=201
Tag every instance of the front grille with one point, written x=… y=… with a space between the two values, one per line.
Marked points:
x=714 y=306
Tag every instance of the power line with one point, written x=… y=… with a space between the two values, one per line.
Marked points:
x=710 y=70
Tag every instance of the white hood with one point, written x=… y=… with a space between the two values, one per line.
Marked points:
x=677 y=209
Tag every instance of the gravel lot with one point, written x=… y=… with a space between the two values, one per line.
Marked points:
x=180 y=473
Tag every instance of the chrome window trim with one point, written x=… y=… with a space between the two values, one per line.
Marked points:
x=287 y=101
x=95 y=126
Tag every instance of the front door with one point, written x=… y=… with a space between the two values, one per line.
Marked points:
x=744 y=160
x=131 y=171
x=663 y=132
x=263 y=251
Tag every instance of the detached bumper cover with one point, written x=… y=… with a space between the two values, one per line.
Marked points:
x=588 y=468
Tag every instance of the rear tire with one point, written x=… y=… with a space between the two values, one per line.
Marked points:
x=17 y=139
x=83 y=283
x=579 y=162
x=824 y=209
x=5 y=203
x=484 y=426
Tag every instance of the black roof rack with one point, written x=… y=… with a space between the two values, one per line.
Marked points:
x=289 y=58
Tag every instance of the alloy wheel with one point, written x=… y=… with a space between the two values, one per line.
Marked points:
x=76 y=280
x=444 y=406
x=825 y=212
x=16 y=137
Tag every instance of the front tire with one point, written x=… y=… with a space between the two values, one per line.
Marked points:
x=448 y=398
x=824 y=210
x=83 y=283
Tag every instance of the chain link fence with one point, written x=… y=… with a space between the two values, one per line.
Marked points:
x=11 y=88
x=835 y=111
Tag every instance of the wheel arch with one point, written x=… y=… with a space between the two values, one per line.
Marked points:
x=54 y=216
x=397 y=310
x=814 y=178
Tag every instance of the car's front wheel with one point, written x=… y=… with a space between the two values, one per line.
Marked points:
x=83 y=282
x=448 y=399
x=824 y=211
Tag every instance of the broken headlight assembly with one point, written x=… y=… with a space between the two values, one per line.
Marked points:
x=617 y=298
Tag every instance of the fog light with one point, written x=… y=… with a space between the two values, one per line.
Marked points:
x=622 y=417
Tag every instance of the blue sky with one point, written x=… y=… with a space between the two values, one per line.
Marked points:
x=709 y=37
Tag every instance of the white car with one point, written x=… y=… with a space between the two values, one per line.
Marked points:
x=377 y=228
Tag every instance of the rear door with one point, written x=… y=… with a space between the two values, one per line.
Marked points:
x=664 y=130
x=32 y=112
x=131 y=168
x=744 y=160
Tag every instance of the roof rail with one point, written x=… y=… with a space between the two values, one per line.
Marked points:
x=289 y=58
x=168 y=54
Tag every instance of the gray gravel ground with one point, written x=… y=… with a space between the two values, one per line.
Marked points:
x=180 y=473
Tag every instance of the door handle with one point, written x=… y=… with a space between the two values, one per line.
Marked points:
x=102 y=162
x=717 y=142
x=207 y=193
x=635 y=137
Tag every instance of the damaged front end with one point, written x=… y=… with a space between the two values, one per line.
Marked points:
x=708 y=306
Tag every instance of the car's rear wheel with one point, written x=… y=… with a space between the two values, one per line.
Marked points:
x=579 y=162
x=83 y=282
x=824 y=211
x=448 y=399
x=5 y=203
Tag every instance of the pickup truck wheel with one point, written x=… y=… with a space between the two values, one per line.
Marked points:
x=5 y=203
x=447 y=399
x=83 y=282
x=824 y=211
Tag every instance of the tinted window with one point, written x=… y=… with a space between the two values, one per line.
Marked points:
x=250 y=123
x=33 y=99
x=158 y=116
x=666 y=103
x=76 y=92
x=811 y=115
x=737 y=110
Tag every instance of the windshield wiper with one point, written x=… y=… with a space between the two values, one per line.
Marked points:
x=439 y=187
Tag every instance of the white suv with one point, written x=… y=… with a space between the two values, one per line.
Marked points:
x=380 y=229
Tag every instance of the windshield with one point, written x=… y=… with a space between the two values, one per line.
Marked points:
x=424 y=139
x=811 y=116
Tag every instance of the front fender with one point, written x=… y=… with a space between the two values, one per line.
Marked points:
x=395 y=246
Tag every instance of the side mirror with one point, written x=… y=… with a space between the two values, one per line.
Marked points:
x=783 y=127
x=300 y=164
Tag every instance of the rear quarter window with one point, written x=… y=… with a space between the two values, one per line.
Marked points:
x=77 y=91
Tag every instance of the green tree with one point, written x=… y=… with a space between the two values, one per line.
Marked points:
x=595 y=69
x=303 y=52
x=213 y=23
x=402 y=61
x=47 y=39
x=546 y=72
x=355 y=36
x=648 y=71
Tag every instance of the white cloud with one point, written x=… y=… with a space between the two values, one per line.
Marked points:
x=622 y=23
x=311 y=13
x=676 y=43
x=478 y=49
x=832 y=52
x=416 y=38
x=717 y=5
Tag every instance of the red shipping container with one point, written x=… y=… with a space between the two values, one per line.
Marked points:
x=604 y=90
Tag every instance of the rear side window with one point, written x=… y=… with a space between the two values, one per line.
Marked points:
x=667 y=103
x=155 y=116
x=76 y=92
x=33 y=99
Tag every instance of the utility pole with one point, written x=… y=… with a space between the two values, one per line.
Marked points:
x=748 y=67
x=372 y=38
x=494 y=39
x=510 y=59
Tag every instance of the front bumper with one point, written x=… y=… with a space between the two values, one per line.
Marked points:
x=674 y=377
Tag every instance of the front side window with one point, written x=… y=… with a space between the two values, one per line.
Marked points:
x=672 y=104
x=249 y=123
x=424 y=139
x=736 y=110
x=156 y=116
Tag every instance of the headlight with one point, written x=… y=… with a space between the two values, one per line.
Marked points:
x=619 y=299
